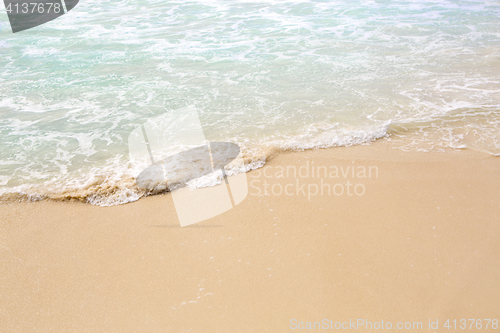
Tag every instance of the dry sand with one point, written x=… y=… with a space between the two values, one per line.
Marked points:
x=422 y=242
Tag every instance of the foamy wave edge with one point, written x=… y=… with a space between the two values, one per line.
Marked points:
x=117 y=186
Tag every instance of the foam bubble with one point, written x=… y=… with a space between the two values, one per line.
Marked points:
x=270 y=76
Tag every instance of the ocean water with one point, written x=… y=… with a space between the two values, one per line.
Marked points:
x=266 y=75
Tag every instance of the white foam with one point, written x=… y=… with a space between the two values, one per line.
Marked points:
x=267 y=75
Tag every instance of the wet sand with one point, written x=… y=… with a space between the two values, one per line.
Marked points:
x=422 y=242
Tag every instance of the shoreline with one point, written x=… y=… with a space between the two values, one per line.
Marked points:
x=421 y=243
x=118 y=187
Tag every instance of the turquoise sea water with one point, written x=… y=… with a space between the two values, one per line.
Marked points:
x=267 y=75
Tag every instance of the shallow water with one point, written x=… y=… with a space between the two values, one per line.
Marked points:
x=268 y=76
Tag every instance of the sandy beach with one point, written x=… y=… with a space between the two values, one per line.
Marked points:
x=420 y=244
x=249 y=166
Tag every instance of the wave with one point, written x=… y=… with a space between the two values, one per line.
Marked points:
x=115 y=183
